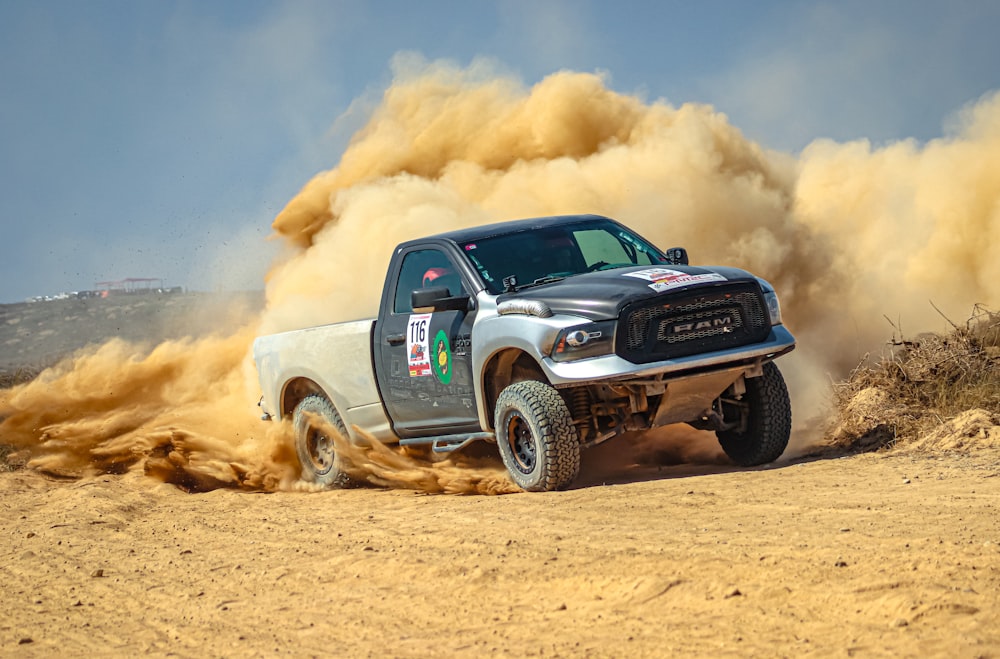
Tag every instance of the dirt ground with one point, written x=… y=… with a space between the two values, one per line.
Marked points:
x=888 y=554
x=867 y=555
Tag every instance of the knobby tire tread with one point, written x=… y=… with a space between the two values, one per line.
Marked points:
x=559 y=447
x=321 y=405
x=770 y=422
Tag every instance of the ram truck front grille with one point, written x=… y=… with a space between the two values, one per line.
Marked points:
x=666 y=327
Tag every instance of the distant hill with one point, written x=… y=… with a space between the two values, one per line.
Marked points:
x=34 y=335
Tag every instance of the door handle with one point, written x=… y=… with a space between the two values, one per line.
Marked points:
x=395 y=339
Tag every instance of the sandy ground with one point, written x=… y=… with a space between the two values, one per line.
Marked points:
x=889 y=554
x=867 y=555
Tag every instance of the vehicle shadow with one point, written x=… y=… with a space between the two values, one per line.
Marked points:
x=677 y=451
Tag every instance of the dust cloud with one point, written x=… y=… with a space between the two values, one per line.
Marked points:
x=182 y=410
x=849 y=234
x=367 y=460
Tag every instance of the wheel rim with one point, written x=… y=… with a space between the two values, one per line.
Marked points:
x=522 y=443
x=320 y=449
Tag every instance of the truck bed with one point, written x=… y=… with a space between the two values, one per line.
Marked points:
x=315 y=354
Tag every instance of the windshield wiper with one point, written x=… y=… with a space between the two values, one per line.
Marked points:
x=548 y=279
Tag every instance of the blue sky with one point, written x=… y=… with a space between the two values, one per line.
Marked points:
x=143 y=138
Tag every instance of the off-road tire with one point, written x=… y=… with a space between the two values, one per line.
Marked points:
x=317 y=456
x=768 y=426
x=537 y=439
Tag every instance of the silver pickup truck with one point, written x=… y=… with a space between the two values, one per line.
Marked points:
x=546 y=336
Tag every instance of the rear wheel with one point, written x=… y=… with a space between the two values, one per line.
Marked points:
x=312 y=419
x=536 y=436
x=768 y=421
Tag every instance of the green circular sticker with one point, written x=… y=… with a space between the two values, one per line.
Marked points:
x=442 y=357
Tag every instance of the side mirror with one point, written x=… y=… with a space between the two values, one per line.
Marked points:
x=677 y=256
x=438 y=298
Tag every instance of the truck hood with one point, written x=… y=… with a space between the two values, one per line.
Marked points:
x=602 y=295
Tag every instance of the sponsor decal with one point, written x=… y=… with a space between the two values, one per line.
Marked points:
x=664 y=279
x=442 y=357
x=479 y=266
x=417 y=349
x=462 y=344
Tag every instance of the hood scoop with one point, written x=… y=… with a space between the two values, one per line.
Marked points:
x=524 y=308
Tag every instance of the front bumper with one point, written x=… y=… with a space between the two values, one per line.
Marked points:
x=612 y=368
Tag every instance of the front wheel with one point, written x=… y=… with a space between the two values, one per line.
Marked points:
x=312 y=420
x=767 y=423
x=537 y=439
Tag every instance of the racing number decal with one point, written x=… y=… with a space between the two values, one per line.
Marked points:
x=442 y=357
x=420 y=359
x=417 y=353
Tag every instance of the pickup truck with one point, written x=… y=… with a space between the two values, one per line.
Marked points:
x=546 y=336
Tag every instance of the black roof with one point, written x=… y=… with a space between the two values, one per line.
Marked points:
x=501 y=228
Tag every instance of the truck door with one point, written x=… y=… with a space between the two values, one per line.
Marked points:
x=423 y=359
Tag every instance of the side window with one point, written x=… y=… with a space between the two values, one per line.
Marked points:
x=424 y=268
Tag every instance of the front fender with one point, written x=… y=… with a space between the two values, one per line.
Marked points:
x=493 y=333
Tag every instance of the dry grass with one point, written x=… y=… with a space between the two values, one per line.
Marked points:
x=18 y=376
x=919 y=384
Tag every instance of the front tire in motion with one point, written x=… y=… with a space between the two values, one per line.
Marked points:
x=314 y=445
x=537 y=439
x=768 y=421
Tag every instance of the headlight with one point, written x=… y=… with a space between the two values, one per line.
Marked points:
x=773 y=307
x=588 y=340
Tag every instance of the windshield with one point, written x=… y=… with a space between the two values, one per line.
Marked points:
x=548 y=254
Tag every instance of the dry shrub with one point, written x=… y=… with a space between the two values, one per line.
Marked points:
x=919 y=384
x=13 y=377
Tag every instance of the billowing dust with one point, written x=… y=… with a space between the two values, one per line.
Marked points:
x=849 y=234
x=368 y=461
